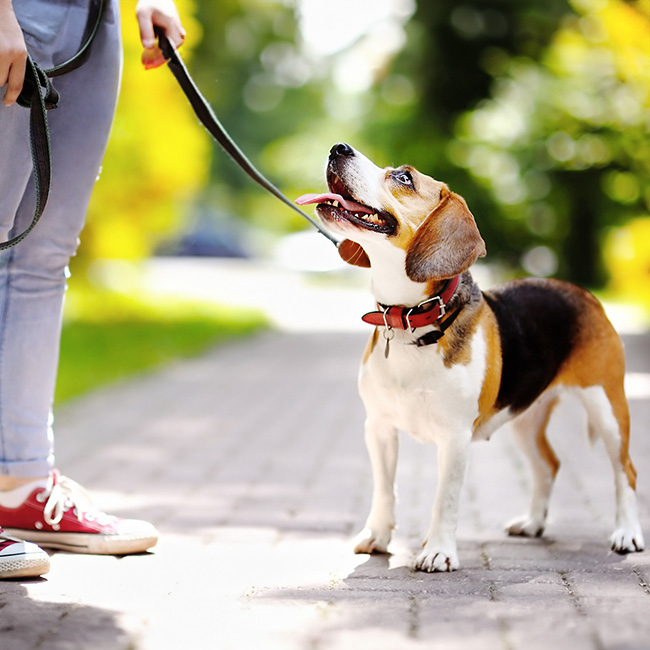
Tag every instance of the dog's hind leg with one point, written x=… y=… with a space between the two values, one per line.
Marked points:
x=530 y=433
x=381 y=442
x=608 y=415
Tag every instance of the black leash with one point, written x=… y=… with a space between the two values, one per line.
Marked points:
x=39 y=96
x=210 y=121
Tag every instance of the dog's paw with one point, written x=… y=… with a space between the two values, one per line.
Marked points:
x=372 y=541
x=525 y=527
x=627 y=540
x=435 y=558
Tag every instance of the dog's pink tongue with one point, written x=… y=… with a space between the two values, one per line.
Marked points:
x=352 y=206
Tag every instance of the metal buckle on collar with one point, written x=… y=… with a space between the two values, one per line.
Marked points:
x=441 y=305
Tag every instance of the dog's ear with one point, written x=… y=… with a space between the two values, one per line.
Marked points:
x=353 y=253
x=446 y=244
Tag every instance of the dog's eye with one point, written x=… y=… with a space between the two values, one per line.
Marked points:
x=404 y=178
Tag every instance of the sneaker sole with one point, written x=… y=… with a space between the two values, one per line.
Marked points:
x=90 y=543
x=24 y=566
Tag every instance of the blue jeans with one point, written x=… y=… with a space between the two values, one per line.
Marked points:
x=33 y=274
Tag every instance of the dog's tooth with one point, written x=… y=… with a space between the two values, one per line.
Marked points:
x=335 y=204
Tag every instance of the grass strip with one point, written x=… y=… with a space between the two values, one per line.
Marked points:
x=107 y=338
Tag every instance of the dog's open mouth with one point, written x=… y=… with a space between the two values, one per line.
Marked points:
x=339 y=204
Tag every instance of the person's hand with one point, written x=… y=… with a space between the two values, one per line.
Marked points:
x=157 y=13
x=13 y=53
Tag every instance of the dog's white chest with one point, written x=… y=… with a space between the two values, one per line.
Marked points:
x=415 y=391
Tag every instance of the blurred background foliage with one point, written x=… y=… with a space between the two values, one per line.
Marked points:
x=537 y=111
x=157 y=159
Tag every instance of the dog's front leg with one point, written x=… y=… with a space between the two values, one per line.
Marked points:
x=439 y=549
x=381 y=441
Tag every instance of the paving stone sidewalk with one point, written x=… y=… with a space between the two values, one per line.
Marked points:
x=250 y=460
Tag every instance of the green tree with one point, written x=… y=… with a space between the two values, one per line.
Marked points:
x=280 y=97
x=562 y=144
x=536 y=112
x=451 y=54
x=250 y=69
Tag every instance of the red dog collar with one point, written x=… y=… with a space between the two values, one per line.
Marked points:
x=427 y=312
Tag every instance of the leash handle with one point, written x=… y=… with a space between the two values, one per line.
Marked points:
x=208 y=118
x=39 y=141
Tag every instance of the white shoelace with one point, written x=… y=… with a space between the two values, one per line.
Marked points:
x=65 y=494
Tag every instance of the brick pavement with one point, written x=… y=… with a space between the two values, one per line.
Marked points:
x=250 y=459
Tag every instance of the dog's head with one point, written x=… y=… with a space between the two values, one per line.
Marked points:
x=373 y=208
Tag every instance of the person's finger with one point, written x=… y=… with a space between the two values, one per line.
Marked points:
x=171 y=26
x=15 y=80
x=175 y=33
x=145 y=25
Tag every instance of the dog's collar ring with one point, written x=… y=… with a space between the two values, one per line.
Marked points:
x=388 y=328
x=389 y=334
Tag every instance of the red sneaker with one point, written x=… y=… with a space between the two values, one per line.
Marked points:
x=20 y=559
x=61 y=515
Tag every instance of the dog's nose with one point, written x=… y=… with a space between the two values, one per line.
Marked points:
x=341 y=149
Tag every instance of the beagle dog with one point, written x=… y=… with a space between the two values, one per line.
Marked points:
x=450 y=364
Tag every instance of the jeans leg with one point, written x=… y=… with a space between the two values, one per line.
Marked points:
x=33 y=274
